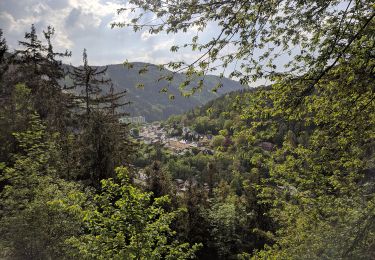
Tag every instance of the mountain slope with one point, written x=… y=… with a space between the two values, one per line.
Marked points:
x=152 y=104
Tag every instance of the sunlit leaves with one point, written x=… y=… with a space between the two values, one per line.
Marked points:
x=259 y=33
x=126 y=224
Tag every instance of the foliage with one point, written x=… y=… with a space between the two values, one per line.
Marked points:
x=39 y=211
x=290 y=175
x=37 y=66
x=102 y=145
x=157 y=180
x=15 y=115
x=228 y=218
x=319 y=112
x=218 y=141
x=125 y=225
x=313 y=35
x=90 y=81
x=3 y=61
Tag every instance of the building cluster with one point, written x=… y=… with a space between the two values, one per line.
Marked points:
x=132 y=120
x=181 y=185
x=184 y=185
x=156 y=134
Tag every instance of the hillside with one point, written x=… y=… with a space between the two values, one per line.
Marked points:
x=153 y=105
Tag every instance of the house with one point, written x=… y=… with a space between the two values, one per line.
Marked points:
x=204 y=142
x=132 y=120
x=266 y=146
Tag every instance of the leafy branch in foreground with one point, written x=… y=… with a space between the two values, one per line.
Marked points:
x=265 y=39
x=124 y=224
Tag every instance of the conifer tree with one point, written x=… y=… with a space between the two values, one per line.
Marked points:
x=91 y=82
x=103 y=142
x=32 y=53
x=3 y=51
x=38 y=67
x=158 y=182
x=193 y=226
x=3 y=63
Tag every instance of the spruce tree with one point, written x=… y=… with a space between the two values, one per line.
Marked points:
x=91 y=82
x=37 y=66
x=158 y=181
x=3 y=51
x=3 y=62
x=102 y=143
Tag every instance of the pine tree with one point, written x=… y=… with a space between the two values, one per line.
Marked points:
x=37 y=66
x=103 y=142
x=3 y=51
x=91 y=81
x=158 y=182
x=53 y=67
x=5 y=60
x=32 y=53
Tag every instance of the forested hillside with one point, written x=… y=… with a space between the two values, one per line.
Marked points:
x=147 y=99
x=282 y=171
x=66 y=169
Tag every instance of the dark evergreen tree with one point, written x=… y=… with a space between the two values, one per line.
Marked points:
x=5 y=75
x=3 y=63
x=32 y=53
x=194 y=226
x=102 y=142
x=210 y=177
x=158 y=181
x=37 y=66
x=91 y=83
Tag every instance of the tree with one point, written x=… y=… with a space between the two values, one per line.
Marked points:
x=3 y=61
x=218 y=141
x=38 y=68
x=39 y=210
x=102 y=142
x=3 y=47
x=319 y=187
x=158 y=182
x=15 y=116
x=124 y=224
x=321 y=199
x=193 y=226
x=227 y=218
x=91 y=81
x=101 y=145
x=261 y=34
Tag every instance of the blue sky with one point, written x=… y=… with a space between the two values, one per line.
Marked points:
x=86 y=24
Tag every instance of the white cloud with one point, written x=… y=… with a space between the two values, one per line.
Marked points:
x=146 y=35
x=11 y=24
x=163 y=45
x=86 y=24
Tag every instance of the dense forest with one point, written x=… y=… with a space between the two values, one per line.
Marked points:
x=281 y=171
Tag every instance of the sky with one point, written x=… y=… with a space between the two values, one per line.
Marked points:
x=83 y=24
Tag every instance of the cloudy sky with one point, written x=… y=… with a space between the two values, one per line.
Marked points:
x=86 y=24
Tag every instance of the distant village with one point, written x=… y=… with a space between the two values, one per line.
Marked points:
x=155 y=133
x=186 y=141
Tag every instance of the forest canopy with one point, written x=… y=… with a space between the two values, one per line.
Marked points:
x=319 y=57
x=265 y=38
x=283 y=171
